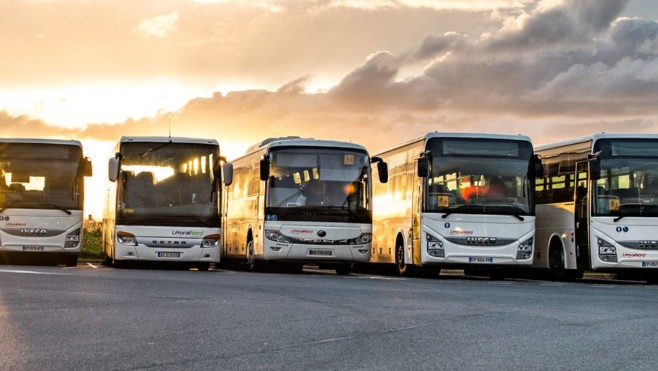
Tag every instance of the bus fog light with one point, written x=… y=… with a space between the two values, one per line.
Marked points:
x=363 y=251
x=211 y=241
x=275 y=248
x=72 y=239
x=436 y=253
x=126 y=238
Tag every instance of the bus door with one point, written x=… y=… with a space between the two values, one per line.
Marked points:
x=581 y=215
x=416 y=207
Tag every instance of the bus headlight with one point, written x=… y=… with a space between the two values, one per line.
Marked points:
x=524 y=251
x=607 y=251
x=126 y=238
x=72 y=239
x=435 y=247
x=363 y=239
x=210 y=241
x=275 y=236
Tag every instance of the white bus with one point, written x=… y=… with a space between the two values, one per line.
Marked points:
x=295 y=201
x=456 y=200
x=597 y=205
x=41 y=199
x=163 y=200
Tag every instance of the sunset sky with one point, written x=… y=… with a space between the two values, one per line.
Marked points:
x=374 y=72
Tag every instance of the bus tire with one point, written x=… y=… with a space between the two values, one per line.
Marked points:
x=252 y=264
x=556 y=270
x=343 y=269
x=402 y=268
x=203 y=267
x=71 y=261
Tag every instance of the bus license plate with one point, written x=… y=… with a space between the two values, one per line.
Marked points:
x=480 y=259
x=168 y=254
x=650 y=264
x=320 y=252
x=32 y=248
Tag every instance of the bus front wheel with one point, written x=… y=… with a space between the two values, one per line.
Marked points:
x=343 y=269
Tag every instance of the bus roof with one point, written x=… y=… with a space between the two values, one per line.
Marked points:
x=68 y=142
x=302 y=142
x=438 y=134
x=148 y=139
x=594 y=137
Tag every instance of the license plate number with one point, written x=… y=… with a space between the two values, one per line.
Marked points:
x=650 y=264
x=480 y=259
x=320 y=252
x=32 y=248
x=168 y=254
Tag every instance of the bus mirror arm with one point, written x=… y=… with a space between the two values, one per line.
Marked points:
x=86 y=167
x=217 y=168
x=382 y=168
x=264 y=168
x=424 y=164
x=539 y=166
x=594 y=166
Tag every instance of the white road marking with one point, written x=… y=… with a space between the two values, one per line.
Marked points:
x=31 y=272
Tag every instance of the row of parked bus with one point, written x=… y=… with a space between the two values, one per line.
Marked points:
x=485 y=203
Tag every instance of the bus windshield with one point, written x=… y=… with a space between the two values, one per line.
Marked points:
x=321 y=184
x=40 y=176
x=479 y=176
x=167 y=184
x=629 y=178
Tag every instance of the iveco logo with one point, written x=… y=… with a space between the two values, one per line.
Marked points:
x=481 y=240
x=33 y=231
x=322 y=233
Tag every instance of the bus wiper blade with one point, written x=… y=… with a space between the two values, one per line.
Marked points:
x=452 y=210
x=510 y=210
x=38 y=204
x=56 y=207
x=618 y=218
x=143 y=154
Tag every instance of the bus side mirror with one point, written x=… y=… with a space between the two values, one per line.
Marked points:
x=113 y=169
x=382 y=168
x=228 y=174
x=423 y=167
x=86 y=167
x=594 y=167
x=539 y=166
x=264 y=168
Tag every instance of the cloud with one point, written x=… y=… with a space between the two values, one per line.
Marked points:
x=160 y=26
x=549 y=69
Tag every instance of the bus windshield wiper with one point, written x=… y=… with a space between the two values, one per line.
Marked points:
x=143 y=154
x=53 y=206
x=641 y=210
x=509 y=210
x=514 y=211
x=454 y=209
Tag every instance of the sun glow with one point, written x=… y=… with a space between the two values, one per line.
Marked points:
x=97 y=102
